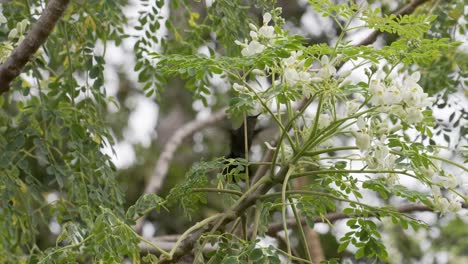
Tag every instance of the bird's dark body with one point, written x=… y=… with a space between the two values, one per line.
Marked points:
x=237 y=139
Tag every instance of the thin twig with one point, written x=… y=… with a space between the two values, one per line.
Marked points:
x=31 y=43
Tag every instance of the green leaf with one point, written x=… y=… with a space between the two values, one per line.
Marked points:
x=343 y=246
x=359 y=253
x=143 y=205
x=256 y=254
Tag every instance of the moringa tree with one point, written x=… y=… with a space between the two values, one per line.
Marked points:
x=352 y=134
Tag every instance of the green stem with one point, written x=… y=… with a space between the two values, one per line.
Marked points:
x=288 y=126
x=317 y=117
x=301 y=229
x=314 y=193
x=318 y=152
x=449 y=162
x=283 y=209
x=327 y=132
x=162 y=251
x=190 y=230
x=215 y=190
x=246 y=151
x=43 y=260
x=310 y=173
x=290 y=256
x=258 y=212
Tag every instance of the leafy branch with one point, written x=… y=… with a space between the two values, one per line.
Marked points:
x=13 y=66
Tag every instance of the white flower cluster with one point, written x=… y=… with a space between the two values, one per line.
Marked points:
x=18 y=31
x=443 y=204
x=404 y=98
x=15 y=36
x=327 y=70
x=261 y=37
x=294 y=71
x=377 y=155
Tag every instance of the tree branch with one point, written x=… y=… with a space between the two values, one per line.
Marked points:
x=167 y=242
x=162 y=165
x=333 y=217
x=31 y=43
x=405 y=10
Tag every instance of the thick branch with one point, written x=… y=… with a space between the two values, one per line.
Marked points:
x=332 y=217
x=405 y=10
x=33 y=40
x=162 y=165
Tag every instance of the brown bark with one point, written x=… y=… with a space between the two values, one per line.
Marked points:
x=31 y=43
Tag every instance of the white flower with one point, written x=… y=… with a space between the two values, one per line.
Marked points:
x=258 y=72
x=381 y=152
x=382 y=129
x=413 y=115
x=392 y=178
x=253 y=34
x=266 y=18
x=361 y=123
x=390 y=162
x=294 y=71
x=254 y=47
x=413 y=94
x=324 y=120
x=3 y=19
x=293 y=77
x=239 y=88
x=261 y=37
x=13 y=34
x=405 y=99
x=253 y=27
x=351 y=107
x=371 y=161
x=327 y=70
x=449 y=181
x=392 y=96
x=377 y=90
x=444 y=205
x=397 y=110
x=267 y=32
x=454 y=206
x=293 y=60
x=290 y=76
x=429 y=173
x=380 y=158
x=363 y=141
